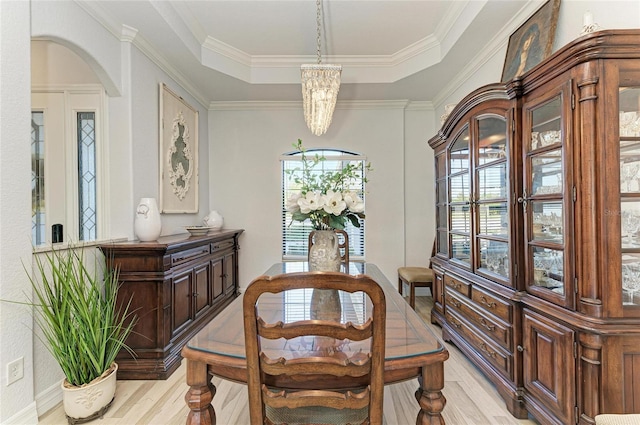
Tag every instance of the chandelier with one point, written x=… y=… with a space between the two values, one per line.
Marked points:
x=320 y=85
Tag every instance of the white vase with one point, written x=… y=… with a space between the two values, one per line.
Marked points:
x=147 y=223
x=214 y=220
x=324 y=254
x=91 y=400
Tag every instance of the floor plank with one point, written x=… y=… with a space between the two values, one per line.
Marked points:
x=471 y=398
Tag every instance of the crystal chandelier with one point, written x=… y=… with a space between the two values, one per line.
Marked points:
x=320 y=85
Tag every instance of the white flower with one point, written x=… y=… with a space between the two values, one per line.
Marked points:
x=333 y=203
x=292 y=202
x=353 y=201
x=311 y=202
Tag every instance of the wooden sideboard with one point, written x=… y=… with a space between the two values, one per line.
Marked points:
x=176 y=284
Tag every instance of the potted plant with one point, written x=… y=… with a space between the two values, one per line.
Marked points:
x=83 y=327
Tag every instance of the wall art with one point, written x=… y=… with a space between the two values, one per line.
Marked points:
x=178 y=154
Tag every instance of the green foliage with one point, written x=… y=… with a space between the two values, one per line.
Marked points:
x=82 y=323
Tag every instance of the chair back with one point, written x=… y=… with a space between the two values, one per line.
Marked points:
x=343 y=245
x=325 y=378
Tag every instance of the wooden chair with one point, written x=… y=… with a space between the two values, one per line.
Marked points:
x=617 y=419
x=343 y=246
x=416 y=277
x=358 y=401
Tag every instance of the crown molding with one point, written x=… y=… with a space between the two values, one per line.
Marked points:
x=297 y=105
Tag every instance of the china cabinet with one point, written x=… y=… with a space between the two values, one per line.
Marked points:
x=176 y=284
x=538 y=232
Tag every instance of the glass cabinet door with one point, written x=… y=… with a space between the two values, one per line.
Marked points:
x=491 y=189
x=460 y=199
x=629 y=125
x=442 y=225
x=547 y=193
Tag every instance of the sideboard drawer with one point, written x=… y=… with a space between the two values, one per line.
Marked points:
x=495 y=329
x=492 y=304
x=458 y=285
x=493 y=353
x=222 y=245
x=188 y=255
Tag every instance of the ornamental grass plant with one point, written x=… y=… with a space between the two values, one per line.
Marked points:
x=77 y=311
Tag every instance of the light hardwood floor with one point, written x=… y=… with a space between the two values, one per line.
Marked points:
x=471 y=399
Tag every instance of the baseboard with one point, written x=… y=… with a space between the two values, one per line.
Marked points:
x=48 y=399
x=27 y=416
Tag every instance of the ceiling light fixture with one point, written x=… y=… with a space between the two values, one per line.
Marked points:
x=320 y=85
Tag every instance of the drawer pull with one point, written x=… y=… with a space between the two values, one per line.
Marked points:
x=486 y=303
x=456 y=324
x=456 y=304
x=488 y=351
x=455 y=285
x=520 y=348
x=487 y=326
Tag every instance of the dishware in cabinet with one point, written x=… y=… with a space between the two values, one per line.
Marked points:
x=548 y=194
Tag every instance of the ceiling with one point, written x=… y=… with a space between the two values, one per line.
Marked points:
x=251 y=50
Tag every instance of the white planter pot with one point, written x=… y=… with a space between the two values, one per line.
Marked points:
x=147 y=224
x=90 y=401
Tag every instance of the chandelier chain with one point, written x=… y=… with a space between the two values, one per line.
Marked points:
x=318 y=23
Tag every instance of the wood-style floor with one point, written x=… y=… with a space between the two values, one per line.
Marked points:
x=471 y=399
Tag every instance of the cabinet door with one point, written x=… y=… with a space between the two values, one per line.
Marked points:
x=549 y=364
x=201 y=294
x=442 y=206
x=460 y=199
x=182 y=285
x=628 y=100
x=548 y=195
x=490 y=200
x=217 y=278
x=229 y=275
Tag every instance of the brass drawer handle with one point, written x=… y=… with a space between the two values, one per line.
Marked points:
x=486 y=349
x=487 y=326
x=486 y=303
x=455 y=285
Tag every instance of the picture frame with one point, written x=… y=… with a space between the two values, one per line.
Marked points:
x=532 y=42
x=178 y=154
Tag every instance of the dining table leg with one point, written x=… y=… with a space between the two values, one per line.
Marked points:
x=200 y=394
x=429 y=395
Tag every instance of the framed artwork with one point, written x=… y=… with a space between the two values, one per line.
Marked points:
x=178 y=154
x=532 y=42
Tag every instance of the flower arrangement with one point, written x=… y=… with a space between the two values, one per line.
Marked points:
x=326 y=198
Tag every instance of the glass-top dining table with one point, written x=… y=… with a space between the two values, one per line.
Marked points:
x=412 y=350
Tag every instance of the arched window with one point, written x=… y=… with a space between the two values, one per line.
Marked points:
x=295 y=234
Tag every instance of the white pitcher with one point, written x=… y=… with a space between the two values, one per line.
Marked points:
x=214 y=220
x=147 y=224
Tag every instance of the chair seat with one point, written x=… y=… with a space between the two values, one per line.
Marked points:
x=316 y=415
x=613 y=419
x=416 y=274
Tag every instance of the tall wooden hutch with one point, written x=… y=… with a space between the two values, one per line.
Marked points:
x=538 y=232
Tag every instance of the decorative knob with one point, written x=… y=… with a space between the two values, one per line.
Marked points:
x=520 y=348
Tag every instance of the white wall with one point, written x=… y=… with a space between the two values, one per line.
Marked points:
x=242 y=148
x=247 y=141
x=16 y=400
x=146 y=78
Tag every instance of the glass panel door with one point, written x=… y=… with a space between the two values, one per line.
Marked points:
x=442 y=225
x=492 y=212
x=460 y=199
x=547 y=198
x=629 y=116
